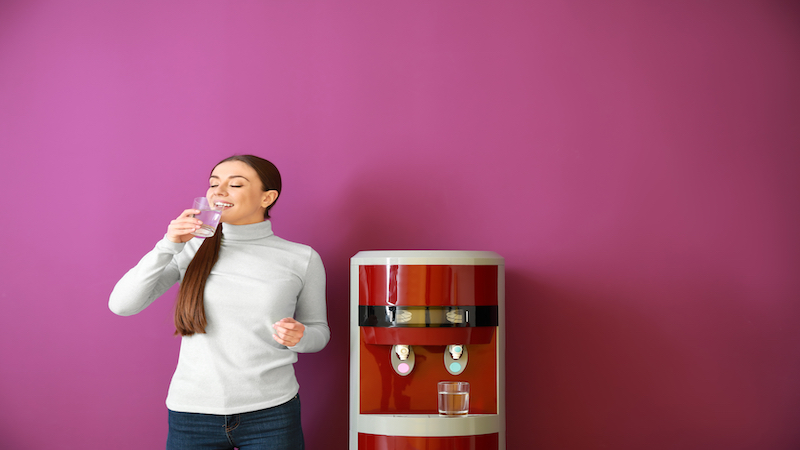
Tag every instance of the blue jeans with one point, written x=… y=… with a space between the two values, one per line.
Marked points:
x=276 y=428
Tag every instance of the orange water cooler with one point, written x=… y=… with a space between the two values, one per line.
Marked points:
x=418 y=318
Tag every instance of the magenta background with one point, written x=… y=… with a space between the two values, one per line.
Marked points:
x=635 y=162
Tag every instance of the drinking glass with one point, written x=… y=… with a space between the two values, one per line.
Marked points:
x=208 y=215
x=453 y=398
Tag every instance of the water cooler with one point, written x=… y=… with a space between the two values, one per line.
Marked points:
x=418 y=318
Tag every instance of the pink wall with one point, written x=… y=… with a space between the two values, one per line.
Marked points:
x=635 y=163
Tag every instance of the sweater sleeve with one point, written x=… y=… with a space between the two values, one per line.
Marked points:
x=155 y=273
x=311 y=309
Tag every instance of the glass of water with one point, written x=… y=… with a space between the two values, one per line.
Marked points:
x=209 y=216
x=453 y=398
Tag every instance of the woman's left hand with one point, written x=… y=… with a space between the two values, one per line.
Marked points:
x=288 y=332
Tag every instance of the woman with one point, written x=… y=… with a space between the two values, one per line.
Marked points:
x=249 y=301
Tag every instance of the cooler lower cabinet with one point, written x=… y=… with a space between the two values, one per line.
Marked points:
x=422 y=323
x=377 y=442
x=488 y=441
x=457 y=437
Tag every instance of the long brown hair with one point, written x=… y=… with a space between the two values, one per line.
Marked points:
x=190 y=314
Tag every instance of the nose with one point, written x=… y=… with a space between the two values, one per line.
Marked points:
x=219 y=190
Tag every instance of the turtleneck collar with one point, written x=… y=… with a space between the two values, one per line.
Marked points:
x=247 y=232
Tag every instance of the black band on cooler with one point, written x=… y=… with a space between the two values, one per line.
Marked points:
x=427 y=316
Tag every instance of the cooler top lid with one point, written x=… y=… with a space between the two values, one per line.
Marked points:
x=426 y=257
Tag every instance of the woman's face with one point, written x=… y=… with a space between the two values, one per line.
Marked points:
x=236 y=188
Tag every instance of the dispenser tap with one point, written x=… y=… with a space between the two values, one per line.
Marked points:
x=456 y=358
x=402 y=351
x=402 y=357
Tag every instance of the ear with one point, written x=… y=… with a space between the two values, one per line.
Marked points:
x=268 y=198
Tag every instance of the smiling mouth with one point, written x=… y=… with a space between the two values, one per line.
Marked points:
x=223 y=205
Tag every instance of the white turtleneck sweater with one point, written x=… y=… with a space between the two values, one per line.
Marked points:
x=259 y=279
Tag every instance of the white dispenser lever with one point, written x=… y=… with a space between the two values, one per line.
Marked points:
x=402 y=357
x=456 y=358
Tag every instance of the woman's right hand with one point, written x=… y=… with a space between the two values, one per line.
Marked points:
x=180 y=230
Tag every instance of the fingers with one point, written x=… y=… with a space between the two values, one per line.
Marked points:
x=288 y=332
x=289 y=322
x=181 y=229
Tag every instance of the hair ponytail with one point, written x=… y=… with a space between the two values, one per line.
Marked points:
x=190 y=314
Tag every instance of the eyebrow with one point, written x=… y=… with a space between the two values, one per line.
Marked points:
x=232 y=176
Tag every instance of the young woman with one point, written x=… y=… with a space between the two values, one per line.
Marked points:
x=249 y=301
